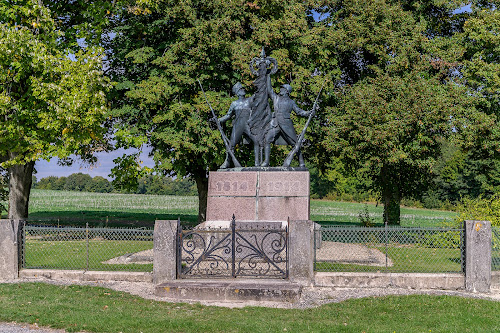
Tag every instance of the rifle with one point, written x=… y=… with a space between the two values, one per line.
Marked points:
x=224 y=137
x=300 y=139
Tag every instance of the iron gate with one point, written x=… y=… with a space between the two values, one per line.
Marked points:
x=249 y=249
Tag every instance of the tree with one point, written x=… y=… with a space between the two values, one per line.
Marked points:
x=159 y=50
x=4 y=190
x=50 y=105
x=397 y=97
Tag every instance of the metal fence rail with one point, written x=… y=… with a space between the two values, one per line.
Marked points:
x=389 y=249
x=495 y=248
x=107 y=249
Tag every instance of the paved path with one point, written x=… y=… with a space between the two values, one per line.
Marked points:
x=25 y=328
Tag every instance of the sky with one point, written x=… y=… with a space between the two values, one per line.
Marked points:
x=101 y=168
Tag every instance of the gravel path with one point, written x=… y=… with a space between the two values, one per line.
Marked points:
x=311 y=297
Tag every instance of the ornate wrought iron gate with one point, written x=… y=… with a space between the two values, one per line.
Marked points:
x=244 y=249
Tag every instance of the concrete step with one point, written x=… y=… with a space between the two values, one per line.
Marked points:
x=230 y=290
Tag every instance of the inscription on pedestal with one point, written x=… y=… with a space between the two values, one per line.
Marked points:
x=284 y=184
x=258 y=196
x=232 y=184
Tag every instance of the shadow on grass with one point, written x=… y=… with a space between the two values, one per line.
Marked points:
x=107 y=218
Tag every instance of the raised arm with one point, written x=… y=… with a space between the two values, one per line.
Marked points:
x=270 y=90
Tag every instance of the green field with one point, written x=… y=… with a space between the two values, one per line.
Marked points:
x=95 y=309
x=143 y=210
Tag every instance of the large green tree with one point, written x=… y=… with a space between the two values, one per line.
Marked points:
x=51 y=103
x=400 y=92
x=158 y=51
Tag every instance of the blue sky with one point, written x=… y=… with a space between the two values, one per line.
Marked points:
x=101 y=168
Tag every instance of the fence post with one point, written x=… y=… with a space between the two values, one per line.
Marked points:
x=165 y=251
x=477 y=256
x=87 y=244
x=10 y=236
x=301 y=252
x=233 y=245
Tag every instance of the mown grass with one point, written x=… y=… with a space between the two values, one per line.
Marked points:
x=73 y=254
x=95 y=309
x=78 y=208
x=405 y=259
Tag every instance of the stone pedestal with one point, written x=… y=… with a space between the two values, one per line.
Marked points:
x=258 y=195
x=10 y=241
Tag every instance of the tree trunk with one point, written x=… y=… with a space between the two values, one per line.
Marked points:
x=391 y=198
x=201 y=180
x=20 y=178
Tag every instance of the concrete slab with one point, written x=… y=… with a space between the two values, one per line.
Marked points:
x=443 y=281
x=230 y=290
x=79 y=275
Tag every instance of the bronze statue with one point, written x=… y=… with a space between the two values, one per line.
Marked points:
x=255 y=122
x=281 y=125
x=241 y=109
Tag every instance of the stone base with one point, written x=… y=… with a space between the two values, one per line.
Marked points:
x=230 y=290
x=258 y=195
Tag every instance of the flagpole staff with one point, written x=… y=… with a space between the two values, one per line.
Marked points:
x=224 y=137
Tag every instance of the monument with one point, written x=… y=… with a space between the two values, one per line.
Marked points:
x=261 y=192
x=257 y=223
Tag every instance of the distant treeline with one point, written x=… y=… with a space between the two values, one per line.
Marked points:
x=151 y=184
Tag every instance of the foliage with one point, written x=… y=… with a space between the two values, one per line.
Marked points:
x=50 y=105
x=149 y=184
x=482 y=209
x=404 y=88
x=52 y=96
x=364 y=217
x=160 y=50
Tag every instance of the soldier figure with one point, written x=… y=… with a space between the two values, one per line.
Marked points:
x=241 y=109
x=281 y=124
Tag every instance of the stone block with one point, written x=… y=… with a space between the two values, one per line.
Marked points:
x=10 y=242
x=241 y=184
x=477 y=256
x=230 y=290
x=284 y=184
x=300 y=252
x=223 y=208
x=164 y=251
x=258 y=195
x=282 y=208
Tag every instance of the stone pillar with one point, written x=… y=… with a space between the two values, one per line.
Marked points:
x=10 y=242
x=301 y=252
x=164 y=251
x=477 y=256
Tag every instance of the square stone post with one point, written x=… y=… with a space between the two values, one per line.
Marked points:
x=477 y=256
x=301 y=252
x=165 y=251
x=10 y=243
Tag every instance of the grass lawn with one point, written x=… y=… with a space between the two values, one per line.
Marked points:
x=405 y=259
x=77 y=208
x=73 y=254
x=95 y=309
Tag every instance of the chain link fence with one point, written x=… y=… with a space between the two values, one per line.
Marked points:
x=495 y=248
x=388 y=249
x=95 y=249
